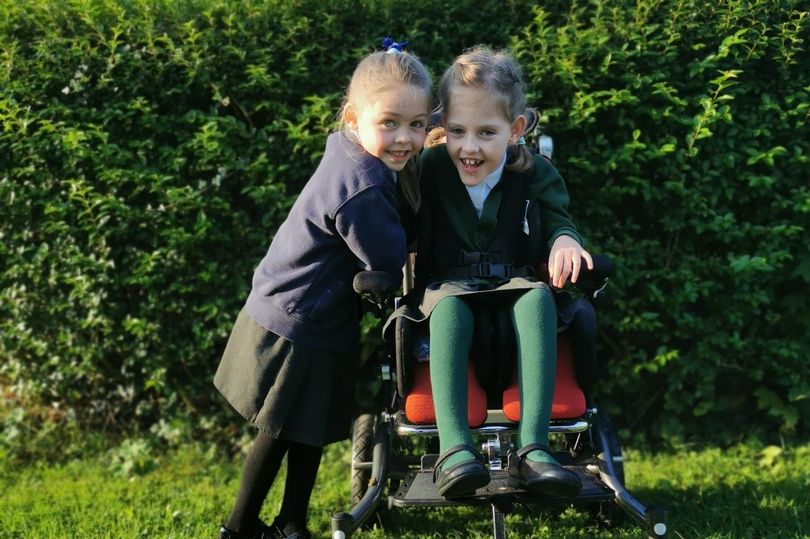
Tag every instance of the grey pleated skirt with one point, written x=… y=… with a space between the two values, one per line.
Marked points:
x=288 y=390
x=480 y=290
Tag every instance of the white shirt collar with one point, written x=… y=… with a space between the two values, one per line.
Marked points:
x=479 y=193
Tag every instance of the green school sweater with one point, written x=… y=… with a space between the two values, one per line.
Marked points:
x=443 y=190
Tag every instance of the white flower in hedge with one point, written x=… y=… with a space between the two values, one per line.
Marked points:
x=66 y=90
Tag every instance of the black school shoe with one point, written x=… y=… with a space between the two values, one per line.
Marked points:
x=262 y=532
x=296 y=533
x=541 y=477
x=274 y=531
x=462 y=479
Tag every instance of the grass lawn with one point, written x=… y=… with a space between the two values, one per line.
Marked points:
x=735 y=493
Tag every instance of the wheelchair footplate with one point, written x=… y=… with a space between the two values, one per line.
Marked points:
x=418 y=489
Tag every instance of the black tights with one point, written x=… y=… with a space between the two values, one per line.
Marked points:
x=583 y=350
x=261 y=467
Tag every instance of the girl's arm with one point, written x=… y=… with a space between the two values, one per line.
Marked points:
x=370 y=226
x=559 y=232
x=565 y=259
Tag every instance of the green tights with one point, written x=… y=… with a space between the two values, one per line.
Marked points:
x=534 y=318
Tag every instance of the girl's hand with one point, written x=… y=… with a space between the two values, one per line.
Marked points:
x=565 y=260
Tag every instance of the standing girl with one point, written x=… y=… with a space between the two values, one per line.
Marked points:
x=289 y=362
x=491 y=213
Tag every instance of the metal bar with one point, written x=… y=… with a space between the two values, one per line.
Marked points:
x=407 y=273
x=408 y=429
x=653 y=519
x=498 y=527
x=343 y=524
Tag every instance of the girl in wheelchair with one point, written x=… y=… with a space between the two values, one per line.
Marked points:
x=491 y=211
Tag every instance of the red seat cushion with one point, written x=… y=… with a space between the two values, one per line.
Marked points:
x=419 y=402
x=569 y=401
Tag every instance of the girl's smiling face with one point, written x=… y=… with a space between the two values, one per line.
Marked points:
x=478 y=132
x=392 y=126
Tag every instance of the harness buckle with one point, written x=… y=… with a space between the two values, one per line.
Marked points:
x=486 y=269
x=474 y=257
x=483 y=269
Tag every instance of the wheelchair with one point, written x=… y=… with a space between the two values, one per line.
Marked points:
x=394 y=448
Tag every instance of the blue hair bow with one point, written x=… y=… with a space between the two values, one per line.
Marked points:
x=392 y=47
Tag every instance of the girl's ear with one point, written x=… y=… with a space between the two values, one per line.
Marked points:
x=517 y=129
x=350 y=116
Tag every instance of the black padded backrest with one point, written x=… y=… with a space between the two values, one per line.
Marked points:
x=493 y=353
x=494 y=349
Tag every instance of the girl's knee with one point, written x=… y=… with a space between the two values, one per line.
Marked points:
x=452 y=306
x=535 y=307
x=451 y=314
x=539 y=297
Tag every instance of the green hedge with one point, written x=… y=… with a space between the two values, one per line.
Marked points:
x=683 y=132
x=149 y=150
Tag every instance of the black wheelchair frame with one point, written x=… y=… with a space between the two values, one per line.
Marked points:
x=387 y=469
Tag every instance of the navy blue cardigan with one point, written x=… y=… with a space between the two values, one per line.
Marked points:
x=345 y=220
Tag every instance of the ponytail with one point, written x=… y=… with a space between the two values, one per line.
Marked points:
x=519 y=158
x=435 y=136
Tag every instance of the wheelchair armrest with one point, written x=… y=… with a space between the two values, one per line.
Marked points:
x=377 y=284
x=603 y=268
x=592 y=281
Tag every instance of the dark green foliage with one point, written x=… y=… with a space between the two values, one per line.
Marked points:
x=148 y=152
x=683 y=132
x=149 y=149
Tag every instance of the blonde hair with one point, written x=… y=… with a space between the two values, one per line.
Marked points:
x=499 y=74
x=379 y=71
x=436 y=136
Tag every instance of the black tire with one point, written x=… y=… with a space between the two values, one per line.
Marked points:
x=362 y=452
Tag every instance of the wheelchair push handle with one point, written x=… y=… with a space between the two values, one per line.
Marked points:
x=377 y=284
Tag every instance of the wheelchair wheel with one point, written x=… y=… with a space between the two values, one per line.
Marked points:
x=362 y=452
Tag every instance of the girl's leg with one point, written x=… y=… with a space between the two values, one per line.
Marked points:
x=261 y=466
x=535 y=319
x=303 y=462
x=451 y=329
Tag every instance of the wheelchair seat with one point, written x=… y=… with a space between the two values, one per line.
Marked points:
x=569 y=399
x=419 y=401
